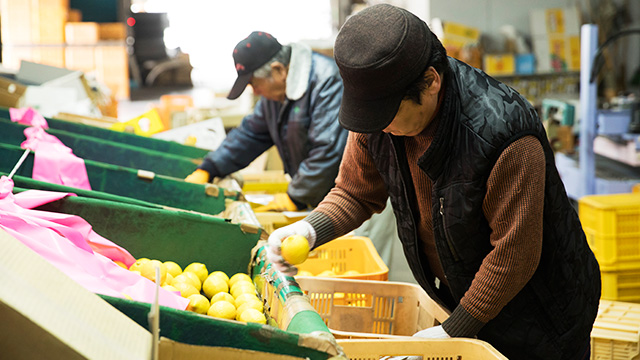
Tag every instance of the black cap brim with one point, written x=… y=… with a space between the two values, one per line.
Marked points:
x=368 y=116
x=238 y=87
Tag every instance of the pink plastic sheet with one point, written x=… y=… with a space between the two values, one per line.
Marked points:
x=54 y=162
x=69 y=243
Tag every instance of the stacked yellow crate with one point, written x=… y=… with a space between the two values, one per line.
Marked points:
x=612 y=226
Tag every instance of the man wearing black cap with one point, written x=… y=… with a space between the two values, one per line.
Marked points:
x=482 y=213
x=300 y=93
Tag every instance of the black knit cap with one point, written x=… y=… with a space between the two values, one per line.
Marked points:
x=249 y=55
x=379 y=51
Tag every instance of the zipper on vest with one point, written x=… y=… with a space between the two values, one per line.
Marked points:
x=444 y=232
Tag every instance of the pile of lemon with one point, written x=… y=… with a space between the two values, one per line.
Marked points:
x=213 y=294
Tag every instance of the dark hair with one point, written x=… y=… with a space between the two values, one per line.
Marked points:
x=439 y=62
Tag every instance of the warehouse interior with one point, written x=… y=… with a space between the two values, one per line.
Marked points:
x=289 y=179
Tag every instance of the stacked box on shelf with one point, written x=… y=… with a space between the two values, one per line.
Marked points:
x=612 y=226
x=127 y=182
x=185 y=238
x=616 y=331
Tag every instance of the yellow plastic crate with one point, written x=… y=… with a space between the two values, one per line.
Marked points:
x=616 y=331
x=344 y=254
x=441 y=349
x=266 y=182
x=621 y=283
x=366 y=309
x=612 y=226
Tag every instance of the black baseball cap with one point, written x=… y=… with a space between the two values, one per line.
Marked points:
x=249 y=55
x=379 y=51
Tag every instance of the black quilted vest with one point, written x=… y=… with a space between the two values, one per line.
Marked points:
x=552 y=317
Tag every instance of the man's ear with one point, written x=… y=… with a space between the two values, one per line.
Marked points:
x=434 y=80
x=278 y=70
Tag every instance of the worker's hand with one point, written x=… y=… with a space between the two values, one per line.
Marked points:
x=280 y=202
x=274 y=253
x=436 y=332
x=198 y=177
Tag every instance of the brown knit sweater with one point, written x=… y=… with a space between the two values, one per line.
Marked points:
x=512 y=206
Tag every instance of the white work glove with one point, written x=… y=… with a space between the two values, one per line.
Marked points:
x=274 y=254
x=436 y=332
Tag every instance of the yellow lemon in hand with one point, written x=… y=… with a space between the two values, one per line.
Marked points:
x=199 y=269
x=295 y=249
x=223 y=296
x=222 y=309
x=173 y=268
x=253 y=315
x=198 y=304
x=213 y=285
x=238 y=277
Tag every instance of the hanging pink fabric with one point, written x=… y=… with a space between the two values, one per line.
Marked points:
x=69 y=243
x=54 y=162
x=28 y=116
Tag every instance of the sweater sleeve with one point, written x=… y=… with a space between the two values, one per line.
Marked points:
x=513 y=207
x=359 y=193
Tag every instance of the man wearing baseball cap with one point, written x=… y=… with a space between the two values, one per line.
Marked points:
x=482 y=214
x=300 y=93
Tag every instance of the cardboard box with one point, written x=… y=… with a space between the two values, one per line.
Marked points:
x=555 y=21
x=45 y=312
x=557 y=53
x=112 y=31
x=53 y=55
x=81 y=33
x=504 y=64
x=112 y=68
x=81 y=58
x=33 y=22
x=11 y=93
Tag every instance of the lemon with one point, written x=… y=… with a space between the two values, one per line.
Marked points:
x=170 y=288
x=195 y=280
x=351 y=273
x=222 y=309
x=327 y=273
x=253 y=315
x=295 y=249
x=148 y=270
x=185 y=288
x=168 y=280
x=239 y=276
x=242 y=287
x=251 y=304
x=173 y=268
x=213 y=285
x=198 y=304
x=199 y=269
x=191 y=280
x=223 y=296
x=243 y=298
x=304 y=273
x=138 y=264
x=221 y=274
